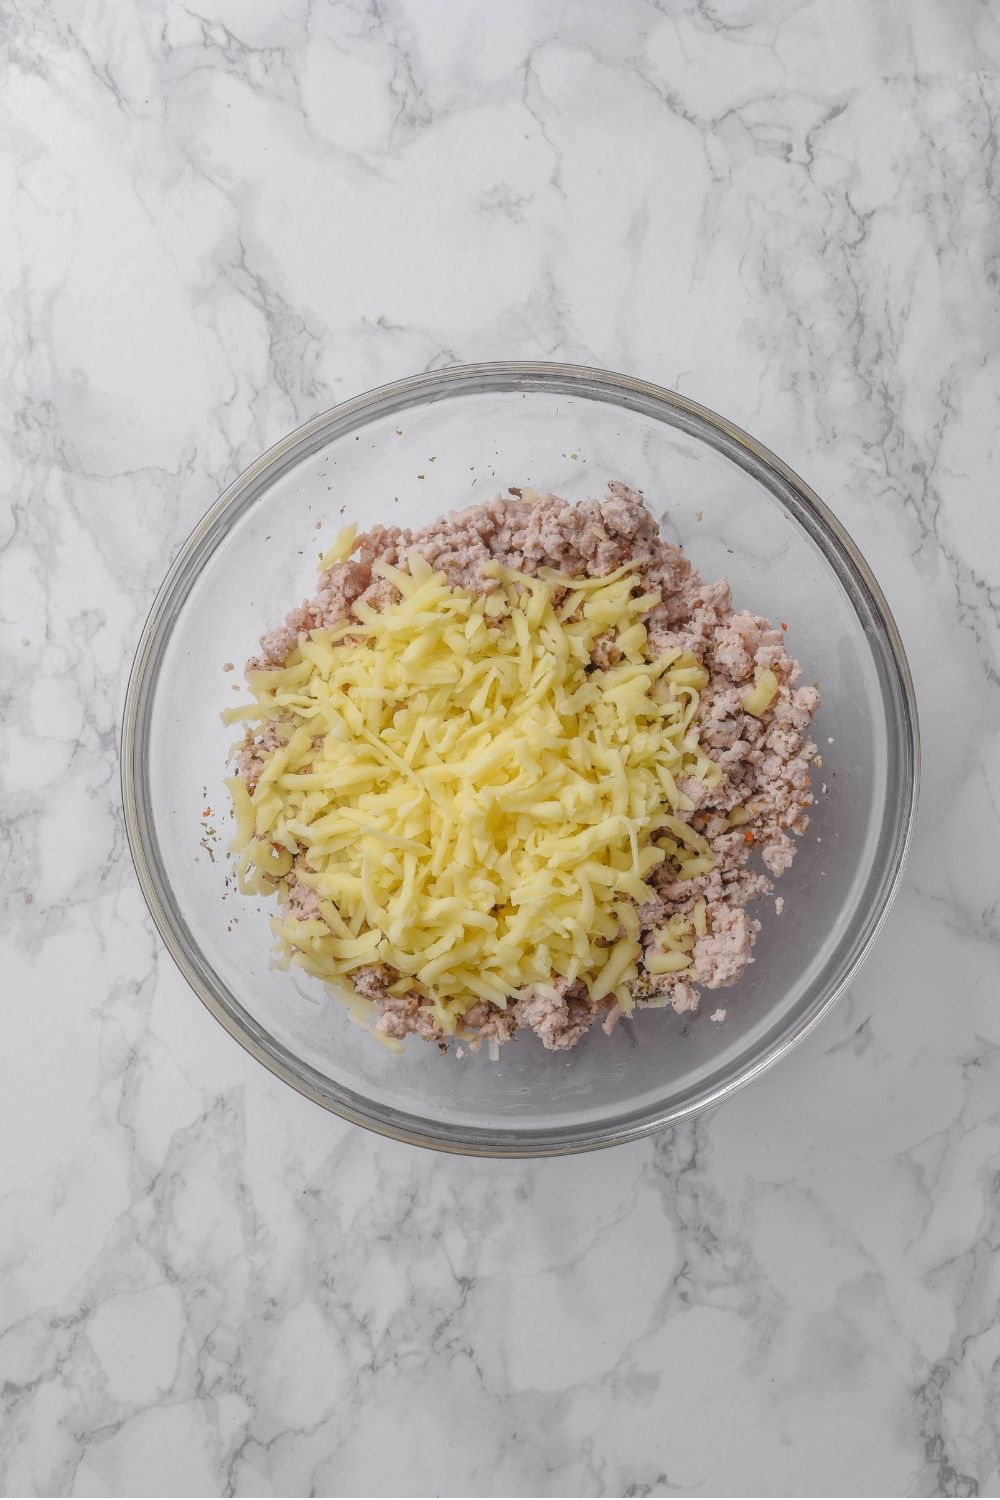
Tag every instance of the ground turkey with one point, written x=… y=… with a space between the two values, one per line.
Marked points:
x=765 y=761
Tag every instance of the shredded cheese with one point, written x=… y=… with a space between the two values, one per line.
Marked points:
x=675 y=942
x=473 y=803
x=762 y=694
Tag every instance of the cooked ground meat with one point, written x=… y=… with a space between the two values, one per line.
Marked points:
x=303 y=901
x=250 y=760
x=765 y=761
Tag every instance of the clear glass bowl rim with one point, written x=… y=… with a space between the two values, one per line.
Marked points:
x=503 y=376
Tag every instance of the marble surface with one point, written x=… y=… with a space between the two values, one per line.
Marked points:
x=222 y=217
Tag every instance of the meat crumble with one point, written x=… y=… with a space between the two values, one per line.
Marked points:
x=756 y=808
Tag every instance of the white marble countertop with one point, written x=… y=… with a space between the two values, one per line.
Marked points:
x=227 y=215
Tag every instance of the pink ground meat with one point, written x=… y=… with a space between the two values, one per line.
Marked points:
x=765 y=761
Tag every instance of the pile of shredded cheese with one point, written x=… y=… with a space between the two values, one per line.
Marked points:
x=474 y=803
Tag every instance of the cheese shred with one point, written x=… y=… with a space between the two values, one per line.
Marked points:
x=474 y=804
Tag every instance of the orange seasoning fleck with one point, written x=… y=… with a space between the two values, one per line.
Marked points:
x=207 y=813
x=748 y=836
x=783 y=625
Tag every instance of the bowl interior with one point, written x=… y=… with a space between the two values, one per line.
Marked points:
x=406 y=456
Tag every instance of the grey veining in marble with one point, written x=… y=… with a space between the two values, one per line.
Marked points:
x=222 y=216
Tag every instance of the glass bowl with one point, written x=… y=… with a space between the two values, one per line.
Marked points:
x=407 y=453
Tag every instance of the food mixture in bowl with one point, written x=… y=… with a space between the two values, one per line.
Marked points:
x=510 y=770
